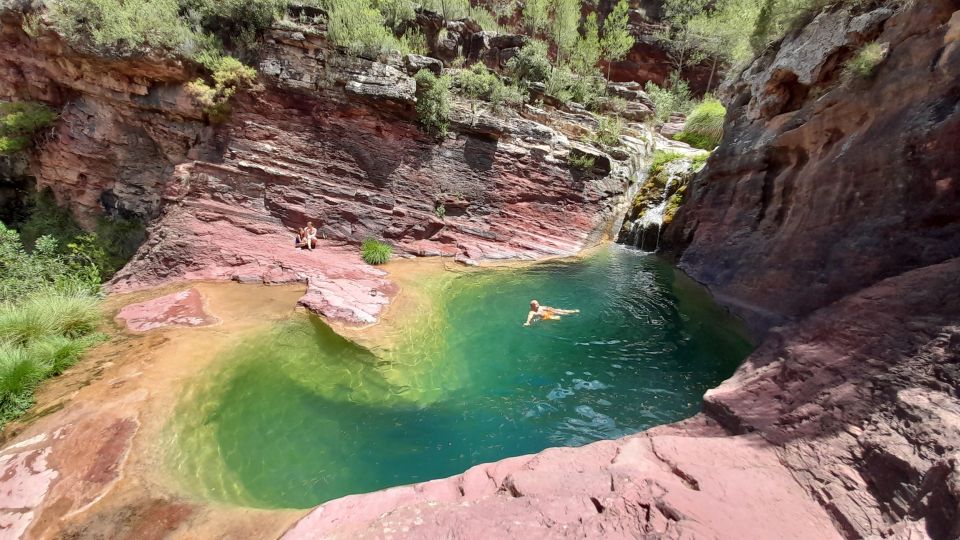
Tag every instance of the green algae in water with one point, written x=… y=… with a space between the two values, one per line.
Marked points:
x=300 y=416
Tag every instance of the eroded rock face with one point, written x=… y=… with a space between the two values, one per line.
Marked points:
x=819 y=188
x=328 y=138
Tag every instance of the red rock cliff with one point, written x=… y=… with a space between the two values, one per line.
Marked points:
x=820 y=189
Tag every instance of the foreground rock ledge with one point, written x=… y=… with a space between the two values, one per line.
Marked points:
x=849 y=426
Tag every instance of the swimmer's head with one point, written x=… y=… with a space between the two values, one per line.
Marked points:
x=534 y=305
x=309 y=224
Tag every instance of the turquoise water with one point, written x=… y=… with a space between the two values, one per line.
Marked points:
x=297 y=416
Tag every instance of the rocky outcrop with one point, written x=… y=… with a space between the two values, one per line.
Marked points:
x=328 y=138
x=843 y=426
x=821 y=188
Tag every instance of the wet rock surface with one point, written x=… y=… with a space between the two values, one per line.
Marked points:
x=184 y=308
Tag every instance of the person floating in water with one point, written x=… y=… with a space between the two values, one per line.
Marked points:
x=546 y=313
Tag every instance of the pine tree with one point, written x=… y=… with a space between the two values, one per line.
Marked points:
x=763 y=27
x=617 y=39
x=564 y=27
x=587 y=51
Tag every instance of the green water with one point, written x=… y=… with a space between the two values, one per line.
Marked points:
x=298 y=416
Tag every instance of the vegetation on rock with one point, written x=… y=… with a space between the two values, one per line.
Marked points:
x=608 y=131
x=579 y=160
x=865 y=62
x=375 y=252
x=19 y=122
x=229 y=75
x=433 y=101
x=479 y=84
x=48 y=314
x=704 y=127
x=673 y=98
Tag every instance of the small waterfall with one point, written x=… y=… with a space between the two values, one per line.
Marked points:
x=651 y=221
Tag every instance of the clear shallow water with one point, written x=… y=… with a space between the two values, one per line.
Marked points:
x=297 y=415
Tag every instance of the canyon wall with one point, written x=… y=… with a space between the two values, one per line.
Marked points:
x=324 y=137
x=821 y=188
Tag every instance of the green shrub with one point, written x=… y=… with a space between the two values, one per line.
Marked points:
x=122 y=25
x=578 y=160
x=189 y=28
x=48 y=316
x=865 y=62
x=674 y=98
x=531 y=64
x=375 y=251
x=565 y=86
x=93 y=257
x=396 y=12
x=433 y=101
x=228 y=76
x=608 y=131
x=704 y=127
x=480 y=84
x=413 y=42
x=238 y=23
x=20 y=121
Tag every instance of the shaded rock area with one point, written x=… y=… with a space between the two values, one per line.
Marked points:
x=844 y=426
x=822 y=188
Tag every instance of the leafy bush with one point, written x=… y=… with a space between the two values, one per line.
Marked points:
x=48 y=315
x=433 y=101
x=93 y=257
x=375 y=252
x=43 y=268
x=864 y=63
x=19 y=121
x=531 y=64
x=480 y=84
x=360 y=28
x=187 y=27
x=674 y=98
x=396 y=12
x=229 y=75
x=578 y=160
x=122 y=25
x=608 y=131
x=238 y=23
x=565 y=86
x=704 y=127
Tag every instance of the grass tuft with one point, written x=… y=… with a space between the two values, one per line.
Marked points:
x=375 y=252
x=704 y=127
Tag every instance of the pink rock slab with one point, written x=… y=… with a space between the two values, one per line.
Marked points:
x=184 y=308
x=666 y=483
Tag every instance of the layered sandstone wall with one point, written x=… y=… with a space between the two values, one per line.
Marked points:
x=819 y=188
x=325 y=137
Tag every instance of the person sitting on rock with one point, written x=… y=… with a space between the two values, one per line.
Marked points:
x=311 y=237
x=301 y=240
x=546 y=313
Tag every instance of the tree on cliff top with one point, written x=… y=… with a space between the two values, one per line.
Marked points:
x=617 y=39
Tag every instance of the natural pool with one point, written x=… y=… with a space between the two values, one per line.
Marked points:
x=296 y=415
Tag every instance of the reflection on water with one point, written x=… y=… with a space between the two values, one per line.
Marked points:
x=298 y=415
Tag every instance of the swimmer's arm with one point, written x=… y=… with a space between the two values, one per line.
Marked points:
x=529 y=317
